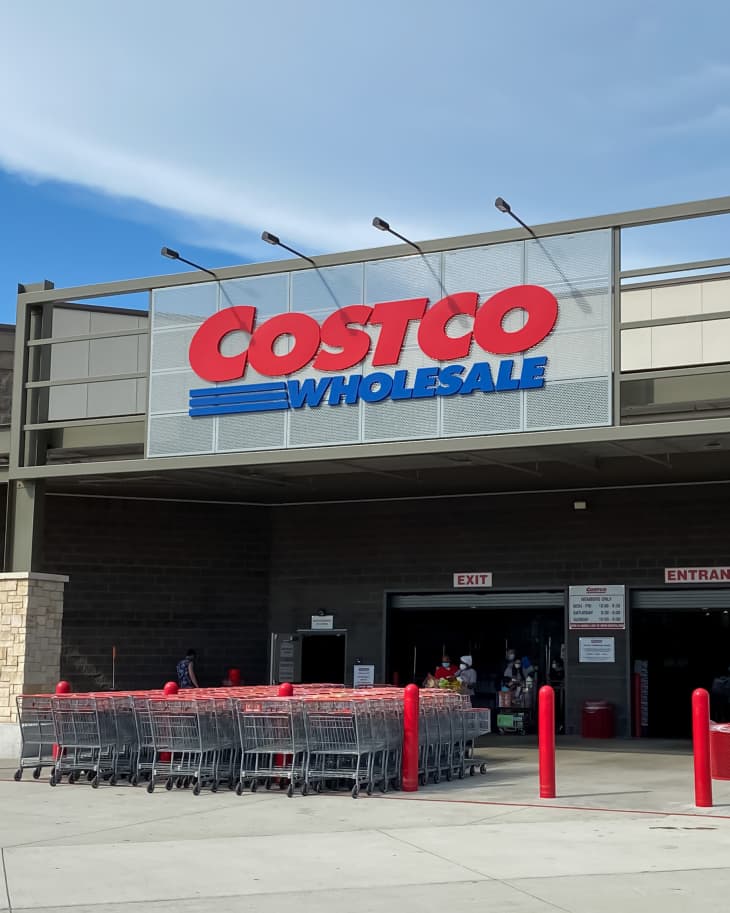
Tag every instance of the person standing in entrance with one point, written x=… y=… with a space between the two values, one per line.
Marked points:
x=186 y=671
x=467 y=675
x=447 y=669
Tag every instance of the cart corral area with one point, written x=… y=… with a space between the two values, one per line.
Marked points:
x=622 y=834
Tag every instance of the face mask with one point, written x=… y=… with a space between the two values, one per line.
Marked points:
x=510 y=657
x=518 y=666
x=446 y=665
x=463 y=666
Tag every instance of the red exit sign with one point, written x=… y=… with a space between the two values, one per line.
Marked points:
x=472 y=580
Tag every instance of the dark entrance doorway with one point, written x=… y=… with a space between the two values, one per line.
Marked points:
x=685 y=648
x=323 y=657
x=418 y=633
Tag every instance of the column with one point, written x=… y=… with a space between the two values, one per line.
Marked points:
x=31 y=616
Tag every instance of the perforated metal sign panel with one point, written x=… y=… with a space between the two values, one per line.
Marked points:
x=376 y=399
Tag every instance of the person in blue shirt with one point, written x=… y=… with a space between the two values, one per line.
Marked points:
x=186 y=671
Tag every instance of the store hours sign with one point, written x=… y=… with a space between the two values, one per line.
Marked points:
x=597 y=608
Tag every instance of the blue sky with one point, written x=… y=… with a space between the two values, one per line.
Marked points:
x=198 y=125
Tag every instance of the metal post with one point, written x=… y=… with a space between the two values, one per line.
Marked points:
x=701 y=746
x=546 y=741
x=409 y=772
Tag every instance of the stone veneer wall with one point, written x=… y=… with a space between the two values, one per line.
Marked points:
x=31 y=616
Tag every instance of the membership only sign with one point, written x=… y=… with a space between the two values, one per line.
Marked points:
x=597 y=608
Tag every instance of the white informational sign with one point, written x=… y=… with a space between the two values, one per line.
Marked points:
x=597 y=608
x=323 y=622
x=286 y=661
x=641 y=668
x=697 y=574
x=472 y=580
x=596 y=649
x=363 y=676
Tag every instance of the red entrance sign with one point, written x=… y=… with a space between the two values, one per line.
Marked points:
x=697 y=574
x=343 y=331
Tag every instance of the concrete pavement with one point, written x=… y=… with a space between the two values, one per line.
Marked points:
x=622 y=834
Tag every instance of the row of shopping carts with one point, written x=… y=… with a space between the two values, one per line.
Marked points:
x=244 y=738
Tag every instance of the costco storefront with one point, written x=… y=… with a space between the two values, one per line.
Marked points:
x=300 y=468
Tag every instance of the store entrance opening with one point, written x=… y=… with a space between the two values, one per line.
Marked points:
x=684 y=649
x=418 y=636
x=323 y=658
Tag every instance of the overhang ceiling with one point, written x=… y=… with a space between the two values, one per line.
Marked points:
x=669 y=460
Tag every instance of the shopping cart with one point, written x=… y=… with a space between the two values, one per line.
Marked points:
x=477 y=722
x=515 y=710
x=86 y=735
x=343 y=743
x=273 y=743
x=185 y=745
x=37 y=735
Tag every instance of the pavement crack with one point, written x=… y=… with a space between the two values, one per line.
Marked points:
x=5 y=880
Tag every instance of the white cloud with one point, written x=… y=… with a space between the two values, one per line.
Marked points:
x=310 y=118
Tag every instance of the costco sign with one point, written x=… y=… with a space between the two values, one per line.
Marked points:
x=352 y=334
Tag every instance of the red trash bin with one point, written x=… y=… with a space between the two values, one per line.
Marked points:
x=720 y=750
x=598 y=720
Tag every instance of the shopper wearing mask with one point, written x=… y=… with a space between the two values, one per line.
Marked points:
x=467 y=675
x=446 y=670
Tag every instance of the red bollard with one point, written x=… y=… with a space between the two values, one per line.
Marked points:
x=286 y=689
x=701 y=746
x=170 y=688
x=546 y=741
x=409 y=768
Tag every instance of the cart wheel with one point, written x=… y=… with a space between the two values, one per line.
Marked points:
x=135 y=780
x=17 y=776
x=461 y=773
x=355 y=791
x=239 y=788
x=422 y=779
x=36 y=773
x=268 y=783
x=179 y=783
x=369 y=789
x=196 y=789
x=449 y=775
x=151 y=787
x=52 y=779
x=437 y=776
x=283 y=784
x=472 y=770
x=169 y=783
x=186 y=782
x=318 y=787
x=483 y=769
x=397 y=784
x=290 y=790
x=214 y=786
x=254 y=785
x=95 y=782
x=305 y=789
x=113 y=780
x=90 y=774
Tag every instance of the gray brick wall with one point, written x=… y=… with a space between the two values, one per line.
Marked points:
x=343 y=558
x=154 y=578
